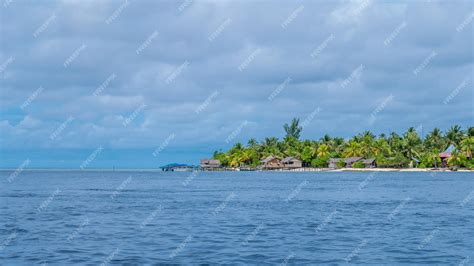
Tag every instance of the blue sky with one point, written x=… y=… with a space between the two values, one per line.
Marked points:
x=145 y=83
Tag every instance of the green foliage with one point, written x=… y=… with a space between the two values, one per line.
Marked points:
x=358 y=165
x=321 y=162
x=341 y=164
x=391 y=150
x=293 y=130
x=422 y=165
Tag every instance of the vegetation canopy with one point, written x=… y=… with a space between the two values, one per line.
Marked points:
x=393 y=150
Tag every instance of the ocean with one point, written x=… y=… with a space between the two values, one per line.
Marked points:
x=265 y=218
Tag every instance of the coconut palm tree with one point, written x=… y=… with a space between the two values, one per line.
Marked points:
x=434 y=140
x=454 y=135
x=470 y=132
x=467 y=146
x=294 y=129
x=252 y=143
x=353 y=149
x=323 y=150
x=411 y=142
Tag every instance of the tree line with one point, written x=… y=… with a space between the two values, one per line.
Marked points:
x=393 y=150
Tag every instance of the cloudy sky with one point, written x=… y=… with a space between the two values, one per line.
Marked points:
x=144 y=83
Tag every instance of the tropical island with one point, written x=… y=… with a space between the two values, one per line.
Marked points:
x=437 y=150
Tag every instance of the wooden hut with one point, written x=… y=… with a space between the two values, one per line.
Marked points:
x=271 y=162
x=351 y=160
x=292 y=162
x=333 y=162
x=445 y=155
x=210 y=163
x=369 y=163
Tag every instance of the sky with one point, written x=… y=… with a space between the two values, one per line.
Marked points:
x=138 y=84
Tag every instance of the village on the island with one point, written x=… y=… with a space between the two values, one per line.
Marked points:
x=273 y=163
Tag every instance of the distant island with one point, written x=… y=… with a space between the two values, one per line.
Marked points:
x=449 y=150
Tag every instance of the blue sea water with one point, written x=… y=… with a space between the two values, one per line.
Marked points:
x=264 y=218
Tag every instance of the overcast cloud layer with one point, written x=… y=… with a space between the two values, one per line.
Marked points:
x=184 y=78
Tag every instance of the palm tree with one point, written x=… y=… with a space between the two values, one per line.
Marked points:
x=470 y=132
x=467 y=146
x=434 y=140
x=293 y=130
x=395 y=142
x=338 y=145
x=456 y=159
x=353 y=149
x=454 y=135
x=410 y=143
x=323 y=150
x=326 y=139
x=252 y=143
x=381 y=148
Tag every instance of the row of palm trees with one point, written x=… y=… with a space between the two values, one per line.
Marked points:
x=393 y=150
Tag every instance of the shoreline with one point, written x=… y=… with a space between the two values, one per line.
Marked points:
x=305 y=169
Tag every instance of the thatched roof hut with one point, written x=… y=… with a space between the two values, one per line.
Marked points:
x=210 y=163
x=271 y=162
x=292 y=162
